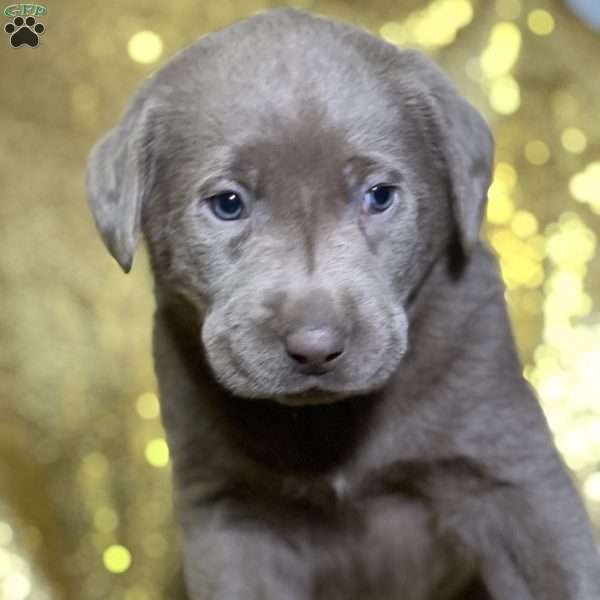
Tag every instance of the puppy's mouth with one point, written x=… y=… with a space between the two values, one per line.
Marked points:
x=310 y=397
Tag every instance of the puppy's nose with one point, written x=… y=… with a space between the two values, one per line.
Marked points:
x=315 y=349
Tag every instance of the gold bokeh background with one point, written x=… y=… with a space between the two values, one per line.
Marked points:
x=85 y=492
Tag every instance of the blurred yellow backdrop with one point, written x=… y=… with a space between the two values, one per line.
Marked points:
x=85 y=500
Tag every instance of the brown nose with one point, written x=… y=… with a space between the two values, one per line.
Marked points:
x=316 y=349
x=313 y=330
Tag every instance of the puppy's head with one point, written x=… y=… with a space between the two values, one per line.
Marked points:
x=294 y=179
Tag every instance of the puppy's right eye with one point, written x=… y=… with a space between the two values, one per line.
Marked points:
x=379 y=198
x=227 y=206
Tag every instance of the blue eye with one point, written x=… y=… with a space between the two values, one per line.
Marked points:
x=227 y=206
x=379 y=198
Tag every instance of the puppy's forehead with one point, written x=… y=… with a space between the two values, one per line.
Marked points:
x=281 y=69
x=304 y=145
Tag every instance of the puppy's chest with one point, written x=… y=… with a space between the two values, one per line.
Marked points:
x=379 y=546
x=384 y=547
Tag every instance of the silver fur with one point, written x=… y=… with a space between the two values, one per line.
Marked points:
x=420 y=466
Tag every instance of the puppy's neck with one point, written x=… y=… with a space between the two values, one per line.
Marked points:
x=458 y=311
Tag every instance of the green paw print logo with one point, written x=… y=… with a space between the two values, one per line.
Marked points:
x=24 y=29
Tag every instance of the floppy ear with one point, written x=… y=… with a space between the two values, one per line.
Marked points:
x=466 y=146
x=119 y=175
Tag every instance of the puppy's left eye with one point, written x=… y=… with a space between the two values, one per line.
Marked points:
x=379 y=198
x=227 y=206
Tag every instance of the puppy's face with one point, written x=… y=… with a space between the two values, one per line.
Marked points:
x=298 y=245
x=294 y=189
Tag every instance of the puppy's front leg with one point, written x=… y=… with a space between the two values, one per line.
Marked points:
x=534 y=540
x=240 y=560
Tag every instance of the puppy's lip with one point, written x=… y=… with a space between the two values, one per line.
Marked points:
x=311 y=397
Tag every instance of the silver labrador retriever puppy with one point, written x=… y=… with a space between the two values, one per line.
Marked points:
x=339 y=385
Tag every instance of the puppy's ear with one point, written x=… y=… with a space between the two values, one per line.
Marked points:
x=119 y=176
x=463 y=142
